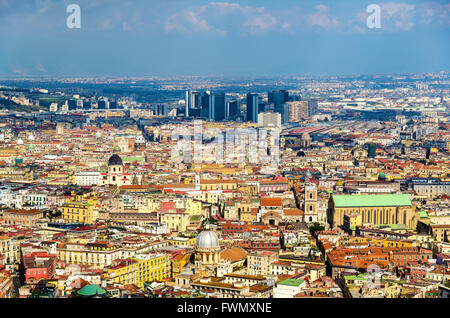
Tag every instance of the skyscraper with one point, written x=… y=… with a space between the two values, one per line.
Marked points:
x=285 y=113
x=312 y=107
x=217 y=106
x=298 y=110
x=103 y=104
x=233 y=109
x=252 y=107
x=193 y=103
x=113 y=105
x=187 y=102
x=278 y=98
x=205 y=102
x=72 y=104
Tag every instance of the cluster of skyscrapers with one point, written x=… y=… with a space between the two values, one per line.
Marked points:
x=216 y=107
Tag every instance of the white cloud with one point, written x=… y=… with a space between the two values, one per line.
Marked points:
x=205 y=19
x=397 y=16
x=187 y=20
x=260 y=23
x=322 y=18
x=432 y=12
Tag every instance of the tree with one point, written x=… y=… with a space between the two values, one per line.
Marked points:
x=316 y=227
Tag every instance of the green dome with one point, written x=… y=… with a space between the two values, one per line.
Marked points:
x=117 y=149
x=31 y=146
x=131 y=167
x=91 y=290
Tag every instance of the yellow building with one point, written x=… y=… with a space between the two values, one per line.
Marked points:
x=178 y=263
x=22 y=217
x=9 y=248
x=16 y=173
x=384 y=242
x=181 y=241
x=248 y=216
x=351 y=221
x=175 y=221
x=139 y=270
x=193 y=207
x=219 y=184
x=80 y=209
x=97 y=254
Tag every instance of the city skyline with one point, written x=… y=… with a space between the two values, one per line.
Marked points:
x=234 y=156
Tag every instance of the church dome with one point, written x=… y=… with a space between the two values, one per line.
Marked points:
x=20 y=141
x=207 y=240
x=115 y=160
x=91 y=290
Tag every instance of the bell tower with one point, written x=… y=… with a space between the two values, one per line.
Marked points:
x=311 y=205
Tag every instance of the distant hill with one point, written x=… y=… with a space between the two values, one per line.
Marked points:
x=13 y=106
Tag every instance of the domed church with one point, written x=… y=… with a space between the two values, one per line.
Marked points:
x=211 y=260
x=115 y=175
x=207 y=248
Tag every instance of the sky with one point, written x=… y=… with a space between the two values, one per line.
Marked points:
x=222 y=38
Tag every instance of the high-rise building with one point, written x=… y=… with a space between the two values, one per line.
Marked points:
x=205 y=102
x=298 y=110
x=72 y=104
x=79 y=103
x=192 y=101
x=252 y=107
x=285 y=113
x=103 y=104
x=113 y=105
x=262 y=107
x=86 y=104
x=312 y=107
x=233 y=108
x=278 y=98
x=187 y=102
x=217 y=107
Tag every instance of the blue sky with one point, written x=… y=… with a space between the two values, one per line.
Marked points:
x=195 y=37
